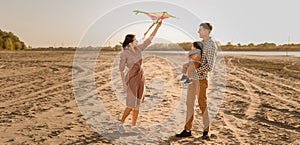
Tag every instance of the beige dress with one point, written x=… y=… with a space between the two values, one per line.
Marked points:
x=135 y=80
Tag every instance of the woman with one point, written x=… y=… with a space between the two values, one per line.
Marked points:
x=133 y=81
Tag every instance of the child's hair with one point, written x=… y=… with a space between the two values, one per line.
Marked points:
x=198 y=45
x=128 y=39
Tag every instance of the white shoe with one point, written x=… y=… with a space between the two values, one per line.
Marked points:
x=136 y=129
x=121 y=128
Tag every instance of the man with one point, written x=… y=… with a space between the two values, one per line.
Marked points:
x=200 y=84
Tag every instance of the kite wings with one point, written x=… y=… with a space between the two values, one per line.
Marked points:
x=156 y=17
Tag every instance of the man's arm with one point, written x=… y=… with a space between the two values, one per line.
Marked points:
x=210 y=60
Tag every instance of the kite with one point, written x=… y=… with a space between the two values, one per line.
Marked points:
x=156 y=17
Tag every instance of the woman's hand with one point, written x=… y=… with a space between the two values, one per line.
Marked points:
x=159 y=23
x=143 y=99
x=125 y=87
x=155 y=30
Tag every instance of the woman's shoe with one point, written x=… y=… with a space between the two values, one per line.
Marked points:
x=121 y=128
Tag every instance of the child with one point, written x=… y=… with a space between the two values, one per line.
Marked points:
x=189 y=67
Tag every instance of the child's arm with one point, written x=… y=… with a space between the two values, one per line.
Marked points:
x=195 y=57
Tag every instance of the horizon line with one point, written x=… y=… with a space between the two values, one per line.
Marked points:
x=218 y=42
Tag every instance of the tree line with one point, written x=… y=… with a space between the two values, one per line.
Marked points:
x=227 y=47
x=9 y=41
x=266 y=46
x=186 y=46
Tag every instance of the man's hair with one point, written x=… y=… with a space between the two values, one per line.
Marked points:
x=207 y=26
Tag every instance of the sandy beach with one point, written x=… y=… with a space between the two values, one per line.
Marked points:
x=41 y=104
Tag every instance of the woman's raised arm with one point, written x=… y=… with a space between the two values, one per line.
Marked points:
x=155 y=30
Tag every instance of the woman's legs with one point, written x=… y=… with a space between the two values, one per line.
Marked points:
x=134 y=96
x=140 y=97
x=125 y=114
x=135 y=114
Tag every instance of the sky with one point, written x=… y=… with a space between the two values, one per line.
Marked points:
x=105 y=22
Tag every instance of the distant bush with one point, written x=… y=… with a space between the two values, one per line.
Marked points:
x=9 y=41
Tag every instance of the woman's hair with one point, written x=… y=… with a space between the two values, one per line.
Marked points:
x=198 y=45
x=128 y=39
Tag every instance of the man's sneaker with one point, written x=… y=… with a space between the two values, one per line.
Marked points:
x=188 y=81
x=205 y=135
x=121 y=128
x=184 y=133
x=183 y=77
x=136 y=129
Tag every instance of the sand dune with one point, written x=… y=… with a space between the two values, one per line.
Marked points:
x=48 y=98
